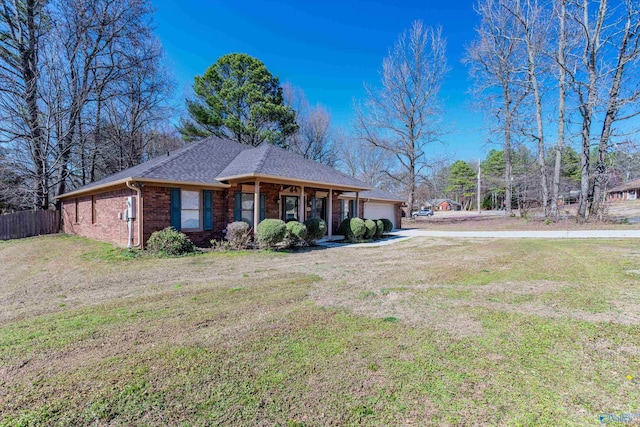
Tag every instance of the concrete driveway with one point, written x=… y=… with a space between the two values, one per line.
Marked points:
x=400 y=235
x=556 y=234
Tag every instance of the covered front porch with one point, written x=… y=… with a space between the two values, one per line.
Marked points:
x=291 y=201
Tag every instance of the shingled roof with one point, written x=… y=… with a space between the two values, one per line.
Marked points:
x=213 y=160
x=271 y=161
x=631 y=185
x=375 y=194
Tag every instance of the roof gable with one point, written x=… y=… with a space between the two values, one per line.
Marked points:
x=274 y=161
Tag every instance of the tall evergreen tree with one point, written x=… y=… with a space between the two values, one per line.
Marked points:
x=238 y=98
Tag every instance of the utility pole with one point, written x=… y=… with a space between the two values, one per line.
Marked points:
x=478 y=191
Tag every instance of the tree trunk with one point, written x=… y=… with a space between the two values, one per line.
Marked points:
x=507 y=153
x=557 y=168
x=600 y=178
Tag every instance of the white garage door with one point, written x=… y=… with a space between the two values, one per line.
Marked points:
x=380 y=210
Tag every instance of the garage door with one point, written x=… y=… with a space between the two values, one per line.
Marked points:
x=380 y=210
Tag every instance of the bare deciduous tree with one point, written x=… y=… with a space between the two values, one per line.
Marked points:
x=532 y=30
x=401 y=116
x=22 y=26
x=359 y=159
x=313 y=138
x=608 y=50
x=560 y=17
x=81 y=84
x=495 y=63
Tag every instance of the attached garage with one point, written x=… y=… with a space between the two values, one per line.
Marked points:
x=377 y=210
x=375 y=204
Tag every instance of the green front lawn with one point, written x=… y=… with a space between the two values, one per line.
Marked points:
x=423 y=332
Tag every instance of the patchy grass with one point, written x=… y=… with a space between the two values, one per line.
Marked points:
x=431 y=331
x=496 y=221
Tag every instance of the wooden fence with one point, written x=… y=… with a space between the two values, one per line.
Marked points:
x=29 y=223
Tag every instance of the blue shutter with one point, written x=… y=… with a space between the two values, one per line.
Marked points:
x=352 y=208
x=237 y=206
x=342 y=216
x=207 y=210
x=313 y=207
x=263 y=207
x=175 y=208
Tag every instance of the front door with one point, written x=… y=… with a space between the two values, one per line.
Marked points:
x=319 y=208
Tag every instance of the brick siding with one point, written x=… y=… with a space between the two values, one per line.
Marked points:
x=105 y=226
x=157 y=214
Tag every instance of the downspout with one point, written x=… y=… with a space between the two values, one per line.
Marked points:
x=130 y=185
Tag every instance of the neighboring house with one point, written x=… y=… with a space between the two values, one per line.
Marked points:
x=443 y=205
x=201 y=188
x=628 y=191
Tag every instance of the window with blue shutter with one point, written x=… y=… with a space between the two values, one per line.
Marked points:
x=207 y=210
x=175 y=208
x=243 y=207
x=263 y=207
x=237 y=206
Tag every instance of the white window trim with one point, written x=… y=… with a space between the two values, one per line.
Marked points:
x=200 y=210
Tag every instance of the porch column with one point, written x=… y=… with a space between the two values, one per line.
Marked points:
x=330 y=216
x=357 y=206
x=301 y=205
x=256 y=204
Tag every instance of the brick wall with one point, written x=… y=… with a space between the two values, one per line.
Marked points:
x=104 y=224
x=157 y=214
x=271 y=196
x=156 y=206
x=398 y=208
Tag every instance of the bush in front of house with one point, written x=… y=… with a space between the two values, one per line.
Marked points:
x=370 y=229
x=388 y=225
x=316 y=228
x=353 y=229
x=170 y=241
x=379 y=228
x=238 y=234
x=296 y=233
x=270 y=232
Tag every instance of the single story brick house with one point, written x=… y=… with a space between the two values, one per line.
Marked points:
x=628 y=191
x=204 y=186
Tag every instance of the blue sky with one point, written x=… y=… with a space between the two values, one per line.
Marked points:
x=329 y=49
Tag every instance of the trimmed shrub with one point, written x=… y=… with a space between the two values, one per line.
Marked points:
x=270 y=232
x=371 y=229
x=315 y=229
x=296 y=232
x=238 y=235
x=388 y=225
x=379 y=228
x=353 y=229
x=170 y=241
